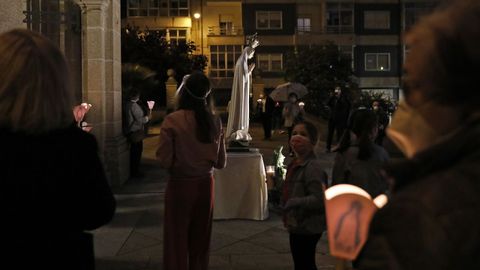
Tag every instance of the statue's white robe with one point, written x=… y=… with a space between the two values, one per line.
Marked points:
x=239 y=105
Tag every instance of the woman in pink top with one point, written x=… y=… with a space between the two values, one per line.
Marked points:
x=191 y=145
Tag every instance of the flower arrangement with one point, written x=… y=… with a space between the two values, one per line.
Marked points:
x=278 y=159
x=279 y=178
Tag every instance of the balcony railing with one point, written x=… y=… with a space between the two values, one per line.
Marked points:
x=339 y=29
x=224 y=31
x=329 y=30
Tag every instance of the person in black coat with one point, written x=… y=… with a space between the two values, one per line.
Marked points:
x=383 y=121
x=339 y=111
x=268 y=106
x=432 y=218
x=54 y=188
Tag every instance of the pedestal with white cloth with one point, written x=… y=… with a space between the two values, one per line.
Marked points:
x=241 y=188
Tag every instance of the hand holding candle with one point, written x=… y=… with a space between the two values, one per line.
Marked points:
x=270 y=170
x=79 y=113
x=150 y=104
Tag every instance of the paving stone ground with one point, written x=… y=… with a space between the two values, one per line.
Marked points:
x=134 y=240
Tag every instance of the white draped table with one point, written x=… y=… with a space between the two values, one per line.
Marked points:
x=240 y=188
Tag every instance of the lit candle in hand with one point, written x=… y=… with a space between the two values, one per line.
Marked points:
x=270 y=170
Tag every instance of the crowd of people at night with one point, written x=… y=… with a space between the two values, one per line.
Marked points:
x=60 y=192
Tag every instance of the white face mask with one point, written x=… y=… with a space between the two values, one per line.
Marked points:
x=301 y=145
x=410 y=131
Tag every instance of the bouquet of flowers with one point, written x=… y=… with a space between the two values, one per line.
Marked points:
x=274 y=194
x=278 y=159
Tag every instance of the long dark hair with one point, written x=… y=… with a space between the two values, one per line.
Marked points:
x=195 y=95
x=362 y=123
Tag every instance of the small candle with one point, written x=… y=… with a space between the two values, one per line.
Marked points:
x=87 y=106
x=270 y=170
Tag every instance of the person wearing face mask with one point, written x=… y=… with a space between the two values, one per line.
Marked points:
x=432 y=218
x=292 y=113
x=302 y=198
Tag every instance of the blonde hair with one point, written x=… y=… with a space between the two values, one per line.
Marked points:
x=35 y=92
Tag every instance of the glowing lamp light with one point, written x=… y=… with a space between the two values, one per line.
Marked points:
x=349 y=210
x=196 y=15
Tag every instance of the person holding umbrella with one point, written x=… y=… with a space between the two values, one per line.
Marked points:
x=282 y=92
x=292 y=112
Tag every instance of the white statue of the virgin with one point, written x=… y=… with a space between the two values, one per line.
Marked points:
x=239 y=105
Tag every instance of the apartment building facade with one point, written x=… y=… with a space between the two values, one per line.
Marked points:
x=88 y=31
x=369 y=31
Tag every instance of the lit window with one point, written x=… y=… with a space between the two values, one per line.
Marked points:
x=377 y=62
x=223 y=59
x=177 y=36
x=270 y=62
x=304 y=25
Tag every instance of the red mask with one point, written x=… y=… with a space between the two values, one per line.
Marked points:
x=301 y=145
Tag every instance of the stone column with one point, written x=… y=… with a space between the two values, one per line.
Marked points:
x=101 y=70
x=11 y=15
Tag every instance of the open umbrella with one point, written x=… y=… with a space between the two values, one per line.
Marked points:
x=281 y=92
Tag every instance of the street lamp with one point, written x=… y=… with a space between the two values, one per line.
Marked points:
x=197 y=16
